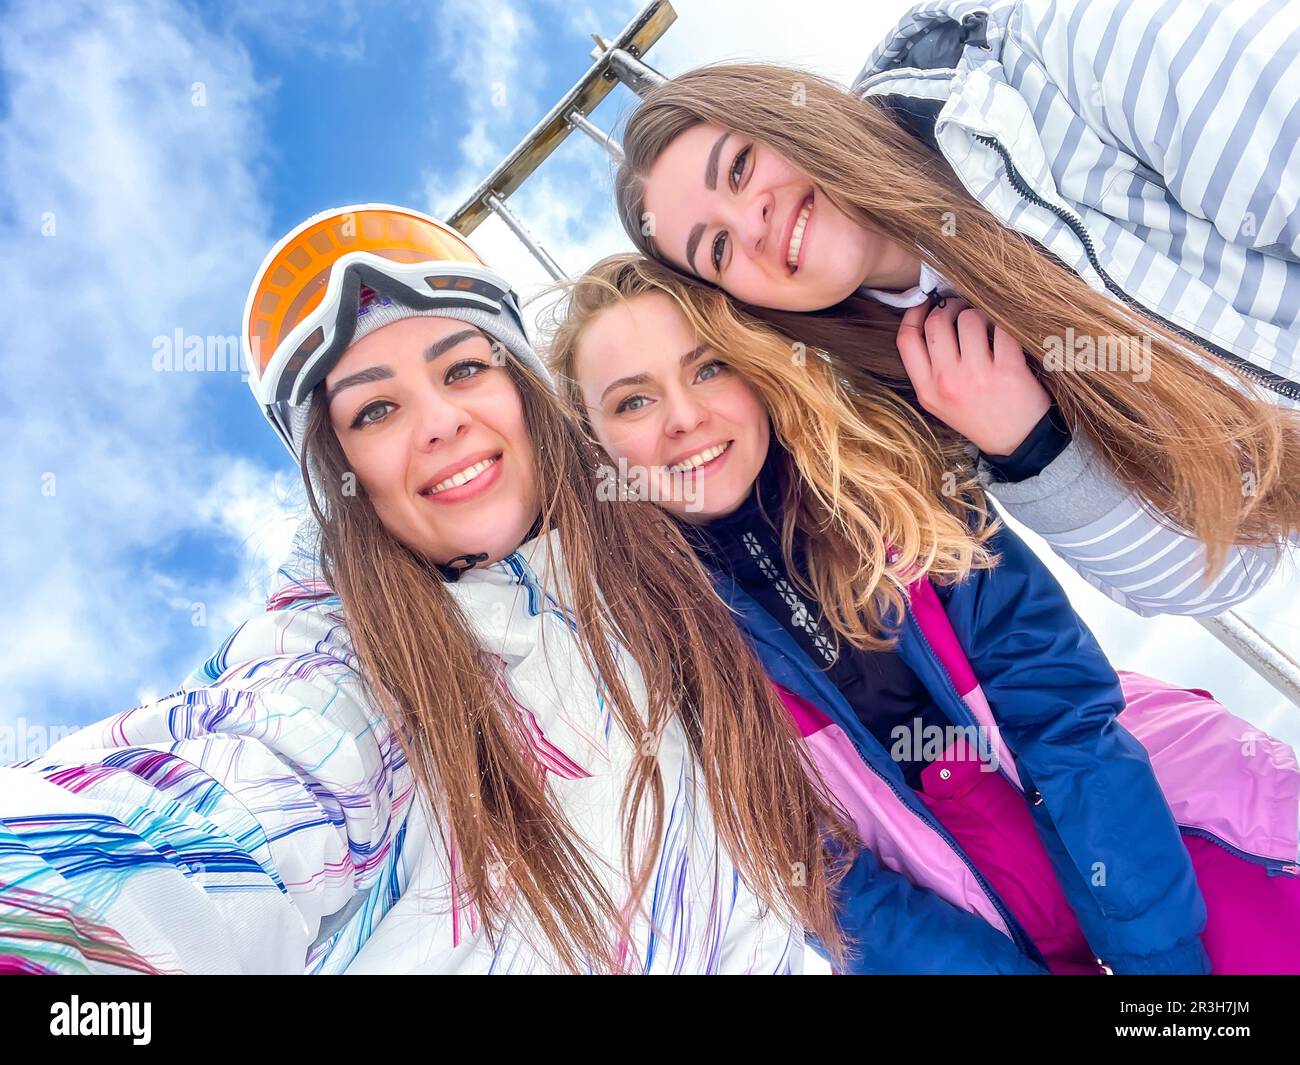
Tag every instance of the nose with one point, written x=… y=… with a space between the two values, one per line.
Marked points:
x=682 y=412
x=753 y=223
x=440 y=419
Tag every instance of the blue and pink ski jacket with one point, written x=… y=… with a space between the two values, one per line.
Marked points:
x=1112 y=781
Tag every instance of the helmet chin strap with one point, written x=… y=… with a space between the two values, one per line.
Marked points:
x=452 y=572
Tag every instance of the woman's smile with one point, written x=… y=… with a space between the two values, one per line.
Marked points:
x=469 y=479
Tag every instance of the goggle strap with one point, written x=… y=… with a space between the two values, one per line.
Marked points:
x=294 y=387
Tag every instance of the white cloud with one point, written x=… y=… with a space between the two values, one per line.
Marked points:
x=157 y=224
x=259 y=518
x=491 y=53
x=828 y=37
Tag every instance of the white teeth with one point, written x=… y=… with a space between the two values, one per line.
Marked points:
x=796 y=237
x=703 y=457
x=464 y=477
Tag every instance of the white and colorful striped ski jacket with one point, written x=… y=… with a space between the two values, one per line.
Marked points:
x=261 y=819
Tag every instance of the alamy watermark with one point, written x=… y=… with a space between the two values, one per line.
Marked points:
x=79 y=1018
x=21 y=742
x=1075 y=353
x=919 y=742
x=181 y=352
x=654 y=484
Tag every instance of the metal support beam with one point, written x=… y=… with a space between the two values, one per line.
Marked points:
x=619 y=62
x=1257 y=651
x=528 y=240
x=612 y=148
x=638 y=77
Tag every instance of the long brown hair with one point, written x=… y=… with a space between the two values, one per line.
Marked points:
x=868 y=475
x=631 y=581
x=1211 y=456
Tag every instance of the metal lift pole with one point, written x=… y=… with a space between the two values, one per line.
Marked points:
x=1257 y=651
x=521 y=231
x=616 y=61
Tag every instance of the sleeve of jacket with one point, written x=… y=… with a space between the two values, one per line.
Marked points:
x=1056 y=698
x=1106 y=533
x=230 y=827
x=898 y=927
x=1205 y=95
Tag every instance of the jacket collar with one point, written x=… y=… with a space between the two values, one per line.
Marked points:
x=936 y=36
x=455 y=568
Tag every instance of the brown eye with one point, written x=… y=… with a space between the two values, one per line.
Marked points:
x=719 y=244
x=738 y=168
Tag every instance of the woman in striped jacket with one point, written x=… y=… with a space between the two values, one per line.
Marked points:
x=1113 y=189
x=417 y=758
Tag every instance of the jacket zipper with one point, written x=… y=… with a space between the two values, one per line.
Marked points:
x=923 y=814
x=1274 y=382
x=952 y=688
x=1018 y=936
x=1274 y=866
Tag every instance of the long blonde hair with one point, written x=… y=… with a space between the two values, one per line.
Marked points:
x=1218 y=460
x=869 y=473
x=633 y=583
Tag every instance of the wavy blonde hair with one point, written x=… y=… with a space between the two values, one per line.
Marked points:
x=1210 y=455
x=870 y=473
x=636 y=586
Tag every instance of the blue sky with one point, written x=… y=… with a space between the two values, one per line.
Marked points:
x=151 y=152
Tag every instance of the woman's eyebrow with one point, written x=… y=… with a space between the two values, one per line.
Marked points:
x=711 y=168
x=379 y=373
x=643 y=377
x=692 y=355
x=710 y=183
x=362 y=377
x=440 y=347
x=635 y=379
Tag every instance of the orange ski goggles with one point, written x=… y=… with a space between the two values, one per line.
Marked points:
x=301 y=310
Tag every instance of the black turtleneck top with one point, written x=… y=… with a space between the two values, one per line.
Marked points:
x=882 y=690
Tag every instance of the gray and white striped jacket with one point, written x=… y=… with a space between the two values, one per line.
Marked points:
x=1154 y=145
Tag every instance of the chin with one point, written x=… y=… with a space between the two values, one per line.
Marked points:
x=834 y=290
x=710 y=513
x=816 y=297
x=508 y=532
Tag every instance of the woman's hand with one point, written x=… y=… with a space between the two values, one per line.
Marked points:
x=984 y=391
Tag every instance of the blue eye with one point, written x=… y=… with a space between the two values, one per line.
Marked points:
x=476 y=366
x=363 y=418
x=626 y=405
x=716 y=365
